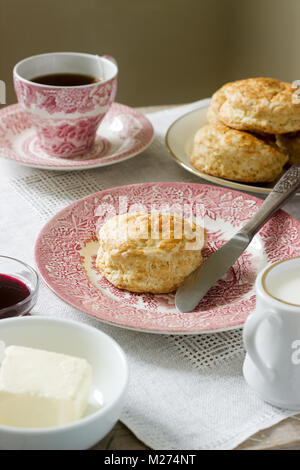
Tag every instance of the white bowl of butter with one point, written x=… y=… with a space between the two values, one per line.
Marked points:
x=62 y=384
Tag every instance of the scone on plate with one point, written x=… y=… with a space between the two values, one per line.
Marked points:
x=153 y=253
x=239 y=156
x=290 y=144
x=261 y=105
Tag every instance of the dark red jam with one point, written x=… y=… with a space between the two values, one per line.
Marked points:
x=12 y=291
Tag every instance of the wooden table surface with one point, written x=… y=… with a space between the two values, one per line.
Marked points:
x=283 y=436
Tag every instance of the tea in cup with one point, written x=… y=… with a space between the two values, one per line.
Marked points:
x=67 y=95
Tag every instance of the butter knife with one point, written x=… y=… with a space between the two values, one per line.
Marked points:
x=198 y=283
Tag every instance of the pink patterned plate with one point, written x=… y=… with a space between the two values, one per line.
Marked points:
x=123 y=133
x=66 y=250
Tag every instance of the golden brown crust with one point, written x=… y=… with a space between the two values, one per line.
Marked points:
x=212 y=115
x=263 y=105
x=290 y=144
x=239 y=156
x=149 y=252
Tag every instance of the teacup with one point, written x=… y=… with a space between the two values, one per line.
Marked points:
x=66 y=117
x=272 y=336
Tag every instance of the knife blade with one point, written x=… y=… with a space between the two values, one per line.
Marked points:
x=198 y=283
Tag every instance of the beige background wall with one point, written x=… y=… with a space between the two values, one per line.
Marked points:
x=169 y=51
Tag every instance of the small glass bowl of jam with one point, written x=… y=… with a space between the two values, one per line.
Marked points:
x=18 y=287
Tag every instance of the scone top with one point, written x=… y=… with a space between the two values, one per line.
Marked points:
x=264 y=105
x=148 y=232
x=153 y=252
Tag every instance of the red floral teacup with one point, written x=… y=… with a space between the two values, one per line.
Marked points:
x=66 y=117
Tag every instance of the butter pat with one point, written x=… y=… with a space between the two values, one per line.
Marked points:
x=41 y=388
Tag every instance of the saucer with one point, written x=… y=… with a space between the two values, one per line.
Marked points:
x=66 y=251
x=123 y=133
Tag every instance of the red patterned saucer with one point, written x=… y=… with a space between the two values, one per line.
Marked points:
x=66 y=250
x=123 y=133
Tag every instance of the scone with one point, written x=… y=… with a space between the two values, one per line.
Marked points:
x=262 y=105
x=152 y=253
x=212 y=116
x=239 y=156
x=290 y=144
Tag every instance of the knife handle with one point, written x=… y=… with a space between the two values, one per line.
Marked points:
x=283 y=191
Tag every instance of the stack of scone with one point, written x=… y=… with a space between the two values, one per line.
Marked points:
x=253 y=131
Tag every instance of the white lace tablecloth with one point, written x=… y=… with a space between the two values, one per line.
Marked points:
x=184 y=392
